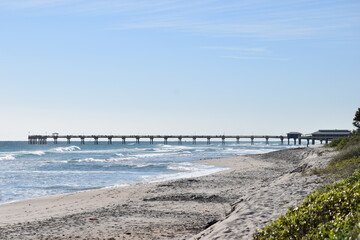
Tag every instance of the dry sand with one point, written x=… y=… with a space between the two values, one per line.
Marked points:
x=228 y=205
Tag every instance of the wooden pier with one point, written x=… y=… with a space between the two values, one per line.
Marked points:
x=320 y=135
x=43 y=139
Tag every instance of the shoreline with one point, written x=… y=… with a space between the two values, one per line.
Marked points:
x=76 y=167
x=229 y=204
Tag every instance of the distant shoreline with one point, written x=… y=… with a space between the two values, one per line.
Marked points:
x=229 y=204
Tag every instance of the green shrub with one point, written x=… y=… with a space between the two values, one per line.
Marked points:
x=340 y=169
x=332 y=212
x=338 y=143
x=344 y=142
x=348 y=152
x=346 y=161
x=353 y=140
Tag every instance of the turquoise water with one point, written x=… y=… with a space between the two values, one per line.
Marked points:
x=29 y=171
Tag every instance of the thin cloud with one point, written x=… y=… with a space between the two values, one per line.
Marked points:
x=35 y=3
x=246 y=53
x=248 y=50
x=254 y=19
x=255 y=58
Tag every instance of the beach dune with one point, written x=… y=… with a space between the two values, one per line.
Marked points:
x=230 y=204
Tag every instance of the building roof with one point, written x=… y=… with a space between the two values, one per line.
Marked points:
x=332 y=132
x=294 y=133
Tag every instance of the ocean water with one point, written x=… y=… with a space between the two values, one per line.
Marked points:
x=30 y=171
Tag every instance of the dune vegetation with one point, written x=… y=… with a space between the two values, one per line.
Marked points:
x=332 y=211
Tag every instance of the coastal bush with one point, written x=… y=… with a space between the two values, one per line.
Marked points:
x=346 y=161
x=331 y=212
x=348 y=152
x=340 y=169
x=345 y=142
x=353 y=140
x=338 y=143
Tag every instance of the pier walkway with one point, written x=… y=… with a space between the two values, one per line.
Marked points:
x=43 y=139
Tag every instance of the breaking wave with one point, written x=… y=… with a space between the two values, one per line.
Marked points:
x=7 y=157
x=67 y=149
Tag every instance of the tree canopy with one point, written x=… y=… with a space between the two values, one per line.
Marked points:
x=356 y=119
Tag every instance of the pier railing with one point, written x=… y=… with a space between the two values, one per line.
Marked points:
x=43 y=139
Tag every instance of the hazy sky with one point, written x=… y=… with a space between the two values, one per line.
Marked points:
x=178 y=67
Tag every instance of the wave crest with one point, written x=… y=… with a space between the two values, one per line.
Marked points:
x=37 y=153
x=7 y=157
x=67 y=149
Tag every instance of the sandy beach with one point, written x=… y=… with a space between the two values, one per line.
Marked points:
x=230 y=204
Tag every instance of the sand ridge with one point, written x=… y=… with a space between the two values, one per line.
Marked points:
x=226 y=205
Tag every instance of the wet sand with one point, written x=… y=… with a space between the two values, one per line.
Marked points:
x=230 y=204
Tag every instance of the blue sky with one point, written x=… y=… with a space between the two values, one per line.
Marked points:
x=177 y=67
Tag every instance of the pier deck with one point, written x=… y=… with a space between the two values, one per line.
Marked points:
x=43 y=139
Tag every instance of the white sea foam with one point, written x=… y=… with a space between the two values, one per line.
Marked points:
x=89 y=160
x=13 y=155
x=146 y=155
x=115 y=151
x=177 y=147
x=123 y=159
x=37 y=153
x=151 y=155
x=183 y=168
x=7 y=157
x=66 y=149
x=58 y=161
x=160 y=150
x=146 y=165
x=22 y=153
